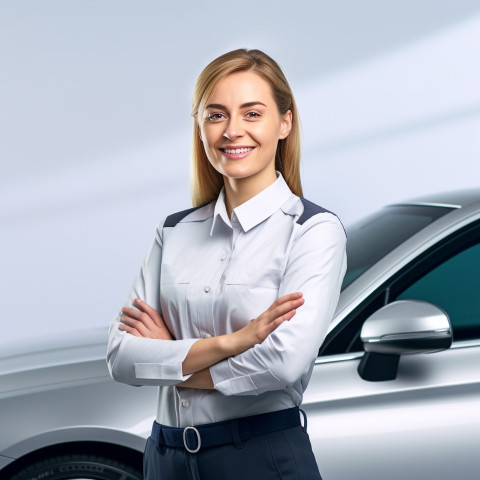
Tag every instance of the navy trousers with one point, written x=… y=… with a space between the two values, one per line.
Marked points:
x=283 y=455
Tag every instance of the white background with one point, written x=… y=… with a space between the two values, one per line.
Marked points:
x=95 y=126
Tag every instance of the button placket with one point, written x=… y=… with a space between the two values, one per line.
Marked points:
x=237 y=228
x=185 y=405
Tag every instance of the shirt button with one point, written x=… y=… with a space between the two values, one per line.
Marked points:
x=207 y=335
x=207 y=289
x=185 y=403
x=222 y=258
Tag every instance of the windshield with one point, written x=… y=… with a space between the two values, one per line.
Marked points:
x=373 y=237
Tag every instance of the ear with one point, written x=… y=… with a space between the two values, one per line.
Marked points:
x=286 y=125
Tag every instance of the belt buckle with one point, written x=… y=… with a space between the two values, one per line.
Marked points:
x=199 y=440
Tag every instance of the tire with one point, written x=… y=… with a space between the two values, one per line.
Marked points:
x=91 y=467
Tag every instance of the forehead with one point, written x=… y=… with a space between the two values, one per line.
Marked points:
x=242 y=87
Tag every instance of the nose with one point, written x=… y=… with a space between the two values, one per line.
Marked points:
x=233 y=128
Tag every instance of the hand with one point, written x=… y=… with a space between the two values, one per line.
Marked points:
x=144 y=322
x=283 y=309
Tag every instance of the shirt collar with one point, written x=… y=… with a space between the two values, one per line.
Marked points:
x=256 y=209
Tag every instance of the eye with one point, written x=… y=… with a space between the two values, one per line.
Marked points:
x=214 y=116
x=253 y=115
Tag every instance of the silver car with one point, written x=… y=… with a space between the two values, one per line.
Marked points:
x=378 y=407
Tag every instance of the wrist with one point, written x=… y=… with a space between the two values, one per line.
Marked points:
x=236 y=343
x=229 y=344
x=201 y=379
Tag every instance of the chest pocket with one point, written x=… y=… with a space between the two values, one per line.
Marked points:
x=262 y=277
x=174 y=274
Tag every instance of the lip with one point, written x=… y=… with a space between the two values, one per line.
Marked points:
x=236 y=156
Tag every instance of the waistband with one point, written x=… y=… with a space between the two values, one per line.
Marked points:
x=228 y=431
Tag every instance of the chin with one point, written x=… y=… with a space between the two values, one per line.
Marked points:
x=236 y=171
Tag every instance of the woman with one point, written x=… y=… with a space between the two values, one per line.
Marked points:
x=235 y=296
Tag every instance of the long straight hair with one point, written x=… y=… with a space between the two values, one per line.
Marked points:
x=206 y=182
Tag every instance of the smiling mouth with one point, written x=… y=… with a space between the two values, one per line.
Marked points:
x=237 y=150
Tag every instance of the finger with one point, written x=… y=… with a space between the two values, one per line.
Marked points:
x=288 y=297
x=140 y=316
x=278 y=321
x=131 y=330
x=284 y=318
x=136 y=324
x=285 y=299
x=154 y=315
x=126 y=320
x=276 y=311
x=285 y=308
x=147 y=327
x=143 y=305
x=146 y=314
x=132 y=312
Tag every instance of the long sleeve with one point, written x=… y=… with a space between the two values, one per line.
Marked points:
x=316 y=267
x=145 y=361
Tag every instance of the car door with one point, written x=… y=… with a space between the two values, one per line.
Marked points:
x=425 y=424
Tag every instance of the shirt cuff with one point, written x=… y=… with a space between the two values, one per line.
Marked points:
x=228 y=384
x=170 y=373
x=167 y=372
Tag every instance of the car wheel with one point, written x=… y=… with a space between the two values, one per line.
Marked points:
x=84 y=467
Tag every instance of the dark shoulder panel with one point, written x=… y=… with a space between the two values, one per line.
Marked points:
x=174 y=218
x=310 y=209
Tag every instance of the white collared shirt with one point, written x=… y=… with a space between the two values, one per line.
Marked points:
x=208 y=276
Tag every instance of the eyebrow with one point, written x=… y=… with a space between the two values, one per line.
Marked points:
x=243 y=105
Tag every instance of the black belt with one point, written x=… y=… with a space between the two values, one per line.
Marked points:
x=227 y=431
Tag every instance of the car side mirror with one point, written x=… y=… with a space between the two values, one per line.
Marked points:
x=403 y=327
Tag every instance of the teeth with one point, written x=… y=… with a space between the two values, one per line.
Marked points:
x=238 y=150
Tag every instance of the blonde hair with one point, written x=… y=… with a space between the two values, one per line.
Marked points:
x=206 y=182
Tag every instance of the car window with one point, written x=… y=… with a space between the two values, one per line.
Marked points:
x=454 y=286
x=373 y=237
x=446 y=275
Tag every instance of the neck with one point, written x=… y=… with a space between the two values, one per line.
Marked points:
x=239 y=190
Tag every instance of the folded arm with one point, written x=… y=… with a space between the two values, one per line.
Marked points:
x=142 y=351
x=146 y=322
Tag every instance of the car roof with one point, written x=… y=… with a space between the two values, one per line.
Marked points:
x=453 y=198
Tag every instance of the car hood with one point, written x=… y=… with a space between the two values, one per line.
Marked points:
x=73 y=358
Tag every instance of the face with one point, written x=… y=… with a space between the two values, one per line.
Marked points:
x=241 y=126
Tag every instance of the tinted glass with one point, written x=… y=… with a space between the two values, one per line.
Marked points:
x=373 y=237
x=454 y=286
